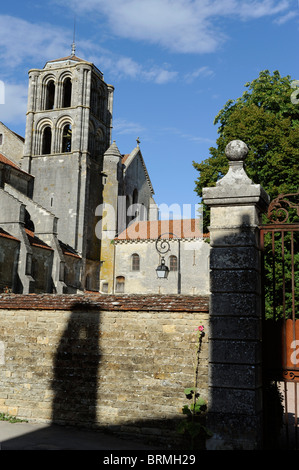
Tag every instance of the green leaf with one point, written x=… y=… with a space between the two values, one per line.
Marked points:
x=268 y=122
x=186 y=410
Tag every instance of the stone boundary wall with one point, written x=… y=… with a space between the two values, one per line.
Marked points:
x=118 y=362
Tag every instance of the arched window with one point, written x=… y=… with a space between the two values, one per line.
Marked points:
x=120 y=284
x=100 y=106
x=29 y=225
x=173 y=263
x=135 y=262
x=99 y=141
x=50 y=95
x=67 y=138
x=67 y=93
x=46 y=140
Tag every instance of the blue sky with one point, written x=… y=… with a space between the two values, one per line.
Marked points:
x=173 y=63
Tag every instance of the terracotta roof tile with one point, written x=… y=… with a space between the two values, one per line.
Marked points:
x=68 y=250
x=69 y=57
x=158 y=303
x=5 y=234
x=35 y=241
x=8 y=162
x=125 y=157
x=151 y=230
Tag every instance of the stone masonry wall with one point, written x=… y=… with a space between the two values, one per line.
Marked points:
x=101 y=361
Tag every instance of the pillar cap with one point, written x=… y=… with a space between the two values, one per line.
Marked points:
x=236 y=188
x=236 y=150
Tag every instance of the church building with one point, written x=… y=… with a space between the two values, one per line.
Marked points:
x=66 y=192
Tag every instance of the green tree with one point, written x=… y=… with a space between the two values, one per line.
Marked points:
x=267 y=120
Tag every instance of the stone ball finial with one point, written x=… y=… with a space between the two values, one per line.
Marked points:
x=236 y=150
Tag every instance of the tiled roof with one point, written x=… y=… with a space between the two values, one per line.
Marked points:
x=8 y=162
x=151 y=230
x=35 y=241
x=70 y=57
x=5 y=234
x=158 y=303
x=68 y=250
x=124 y=157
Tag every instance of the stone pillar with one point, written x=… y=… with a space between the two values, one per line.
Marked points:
x=235 y=378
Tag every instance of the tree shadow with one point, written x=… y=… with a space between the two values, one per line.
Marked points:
x=76 y=367
x=74 y=424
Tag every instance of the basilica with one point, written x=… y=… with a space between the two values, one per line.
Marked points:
x=76 y=214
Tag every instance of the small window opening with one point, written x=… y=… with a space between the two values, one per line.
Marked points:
x=47 y=139
x=105 y=287
x=173 y=263
x=50 y=96
x=120 y=284
x=135 y=262
x=67 y=138
x=67 y=93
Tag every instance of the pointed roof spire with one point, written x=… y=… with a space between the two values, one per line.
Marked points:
x=113 y=150
x=74 y=35
x=73 y=49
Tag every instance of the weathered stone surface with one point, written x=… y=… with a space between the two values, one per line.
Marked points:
x=235 y=328
x=235 y=307
x=239 y=280
x=101 y=360
x=235 y=352
x=235 y=258
x=242 y=304
x=239 y=404
x=241 y=376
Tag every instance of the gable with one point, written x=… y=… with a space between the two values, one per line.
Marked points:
x=129 y=160
x=11 y=144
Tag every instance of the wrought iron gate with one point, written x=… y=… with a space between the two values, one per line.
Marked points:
x=280 y=281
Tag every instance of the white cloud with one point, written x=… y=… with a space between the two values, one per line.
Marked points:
x=185 y=26
x=285 y=18
x=183 y=135
x=15 y=103
x=203 y=71
x=126 y=67
x=20 y=40
x=122 y=127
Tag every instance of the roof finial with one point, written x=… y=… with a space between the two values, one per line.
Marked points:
x=74 y=34
x=138 y=141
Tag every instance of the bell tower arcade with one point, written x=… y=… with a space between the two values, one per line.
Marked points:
x=68 y=129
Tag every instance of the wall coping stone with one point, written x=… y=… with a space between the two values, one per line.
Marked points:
x=160 y=303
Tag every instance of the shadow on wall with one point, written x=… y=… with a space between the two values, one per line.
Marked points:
x=74 y=386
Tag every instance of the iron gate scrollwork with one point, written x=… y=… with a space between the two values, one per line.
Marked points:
x=280 y=281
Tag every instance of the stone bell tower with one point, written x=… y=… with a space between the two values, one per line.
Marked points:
x=68 y=129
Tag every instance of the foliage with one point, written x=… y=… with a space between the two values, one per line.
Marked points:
x=193 y=426
x=265 y=118
x=280 y=279
x=11 y=419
